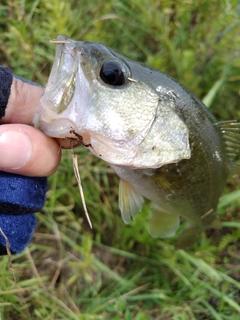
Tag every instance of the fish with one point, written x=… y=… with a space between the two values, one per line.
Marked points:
x=159 y=138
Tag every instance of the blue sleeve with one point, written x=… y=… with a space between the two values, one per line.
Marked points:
x=20 y=196
x=6 y=79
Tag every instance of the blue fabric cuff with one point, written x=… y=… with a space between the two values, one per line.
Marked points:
x=18 y=230
x=20 y=196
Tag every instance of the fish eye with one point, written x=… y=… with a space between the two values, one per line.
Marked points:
x=113 y=73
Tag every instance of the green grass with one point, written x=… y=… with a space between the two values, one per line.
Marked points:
x=117 y=271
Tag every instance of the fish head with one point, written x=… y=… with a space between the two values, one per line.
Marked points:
x=109 y=101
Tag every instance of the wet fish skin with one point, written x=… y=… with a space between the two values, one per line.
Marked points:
x=158 y=137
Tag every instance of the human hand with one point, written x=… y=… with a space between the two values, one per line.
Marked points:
x=26 y=156
x=25 y=150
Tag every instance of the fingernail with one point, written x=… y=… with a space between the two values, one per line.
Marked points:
x=15 y=149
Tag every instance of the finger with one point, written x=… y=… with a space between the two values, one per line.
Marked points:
x=23 y=102
x=27 y=151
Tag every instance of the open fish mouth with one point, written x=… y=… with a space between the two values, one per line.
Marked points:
x=52 y=116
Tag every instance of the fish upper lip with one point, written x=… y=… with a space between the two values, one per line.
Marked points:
x=61 y=82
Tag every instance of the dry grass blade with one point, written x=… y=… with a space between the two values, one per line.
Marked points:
x=77 y=175
x=59 y=41
x=8 y=253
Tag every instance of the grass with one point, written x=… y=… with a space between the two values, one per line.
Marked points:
x=117 y=271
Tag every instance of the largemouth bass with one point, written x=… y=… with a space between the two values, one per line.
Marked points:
x=158 y=137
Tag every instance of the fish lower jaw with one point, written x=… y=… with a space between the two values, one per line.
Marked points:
x=59 y=128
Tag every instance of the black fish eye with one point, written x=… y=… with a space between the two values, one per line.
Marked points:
x=113 y=73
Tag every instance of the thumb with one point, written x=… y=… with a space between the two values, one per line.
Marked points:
x=27 y=151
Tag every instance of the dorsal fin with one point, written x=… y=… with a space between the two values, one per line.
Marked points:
x=231 y=134
x=130 y=201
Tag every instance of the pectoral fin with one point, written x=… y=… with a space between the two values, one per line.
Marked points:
x=130 y=201
x=162 y=224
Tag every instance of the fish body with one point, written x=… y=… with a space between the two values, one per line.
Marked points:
x=158 y=137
